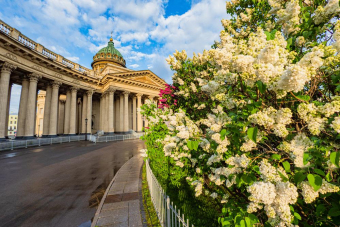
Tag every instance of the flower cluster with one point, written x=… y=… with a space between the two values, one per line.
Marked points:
x=251 y=121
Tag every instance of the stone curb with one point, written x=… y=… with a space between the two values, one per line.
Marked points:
x=96 y=217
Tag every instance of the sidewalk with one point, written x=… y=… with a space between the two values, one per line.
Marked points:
x=120 y=205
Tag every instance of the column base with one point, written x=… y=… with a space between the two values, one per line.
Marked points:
x=3 y=139
x=25 y=138
x=71 y=134
x=85 y=133
x=51 y=136
x=108 y=133
x=123 y=133
x=44 y=136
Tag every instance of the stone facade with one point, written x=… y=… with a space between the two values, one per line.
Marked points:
x=109 y=96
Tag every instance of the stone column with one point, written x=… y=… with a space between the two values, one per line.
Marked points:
x=111 y=93
x=106 y=112
x=61 y=116
x=8 y=108
x=101 y=103
x=6 y=69
x=52 y=132
x=22 y=107
x=67 y=112
x=89 y=111
x=126 y=111
x=47 y=110
x=31 y=101
x=79 y=114
x=134 y=113
x=73 y=111
x=84 y=114
x=139 y=115
x=121 y=113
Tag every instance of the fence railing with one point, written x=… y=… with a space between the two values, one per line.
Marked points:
x=13 y=144
x=10 y=145
x=168 y=214
x=116 y=137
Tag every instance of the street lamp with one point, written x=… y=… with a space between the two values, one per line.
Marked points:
x=86 y=129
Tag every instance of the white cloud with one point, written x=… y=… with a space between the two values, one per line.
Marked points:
x=74 y=59
x=134 y=66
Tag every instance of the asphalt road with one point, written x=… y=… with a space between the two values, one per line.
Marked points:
x=52 y=185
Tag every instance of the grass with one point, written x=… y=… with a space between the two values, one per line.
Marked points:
x=150 y=213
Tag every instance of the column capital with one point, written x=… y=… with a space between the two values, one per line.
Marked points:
x=24 y=77
x=79 y=101
x=111 y=90
x=7 y=67
x=62 y=101
x=55 y=84
x=126 y=93
x=89 y=93
x=74 y=89
x=151 y=97
x=34 y=77
x=139 y=95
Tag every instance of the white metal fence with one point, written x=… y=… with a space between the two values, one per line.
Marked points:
x=116 y=137
x=14 y=144
x=168 y=214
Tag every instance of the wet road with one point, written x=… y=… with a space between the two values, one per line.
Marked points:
x=52 y=185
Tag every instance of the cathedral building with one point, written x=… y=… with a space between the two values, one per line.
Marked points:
x=61 y=97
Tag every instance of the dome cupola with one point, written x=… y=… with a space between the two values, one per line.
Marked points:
x=106 y=55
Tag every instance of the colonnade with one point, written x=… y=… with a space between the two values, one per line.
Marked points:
x=126 y=117
x=116 y=109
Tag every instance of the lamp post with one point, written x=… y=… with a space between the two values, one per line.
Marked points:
x=86 y=129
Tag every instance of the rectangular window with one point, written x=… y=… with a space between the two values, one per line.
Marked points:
x=15 y=127
x=41 y=110
x=11 y=122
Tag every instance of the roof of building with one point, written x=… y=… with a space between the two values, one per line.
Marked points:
x=110 y=48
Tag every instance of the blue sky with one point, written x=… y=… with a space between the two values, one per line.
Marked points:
x=146 y=32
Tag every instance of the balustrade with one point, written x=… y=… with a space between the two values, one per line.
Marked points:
x=68 y=63
x=5 y=28
x=49 y=54
x=27 y=41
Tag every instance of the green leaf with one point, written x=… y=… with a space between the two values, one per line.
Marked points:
x=320 y=172
x=276 y=157
x=304 y=97
x=320 y=209
x=289 y=43
x=299 y=177
x=329 y=177
x=334 y=212
x=305 y=158
x=189 y=144
x=248 y=222
x=286 y=165
x=335 y=158
x=223 y=133
x=262 y=87
x=285 y=179
x=252 y=133
x=195 y=145
x=297 y=216
x=315 y=181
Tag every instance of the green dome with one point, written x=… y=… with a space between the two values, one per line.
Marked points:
x=110 y=49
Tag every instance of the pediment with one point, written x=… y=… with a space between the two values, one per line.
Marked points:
x=145 y=77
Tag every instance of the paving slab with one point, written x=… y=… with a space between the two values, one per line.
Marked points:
x=120 y=205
